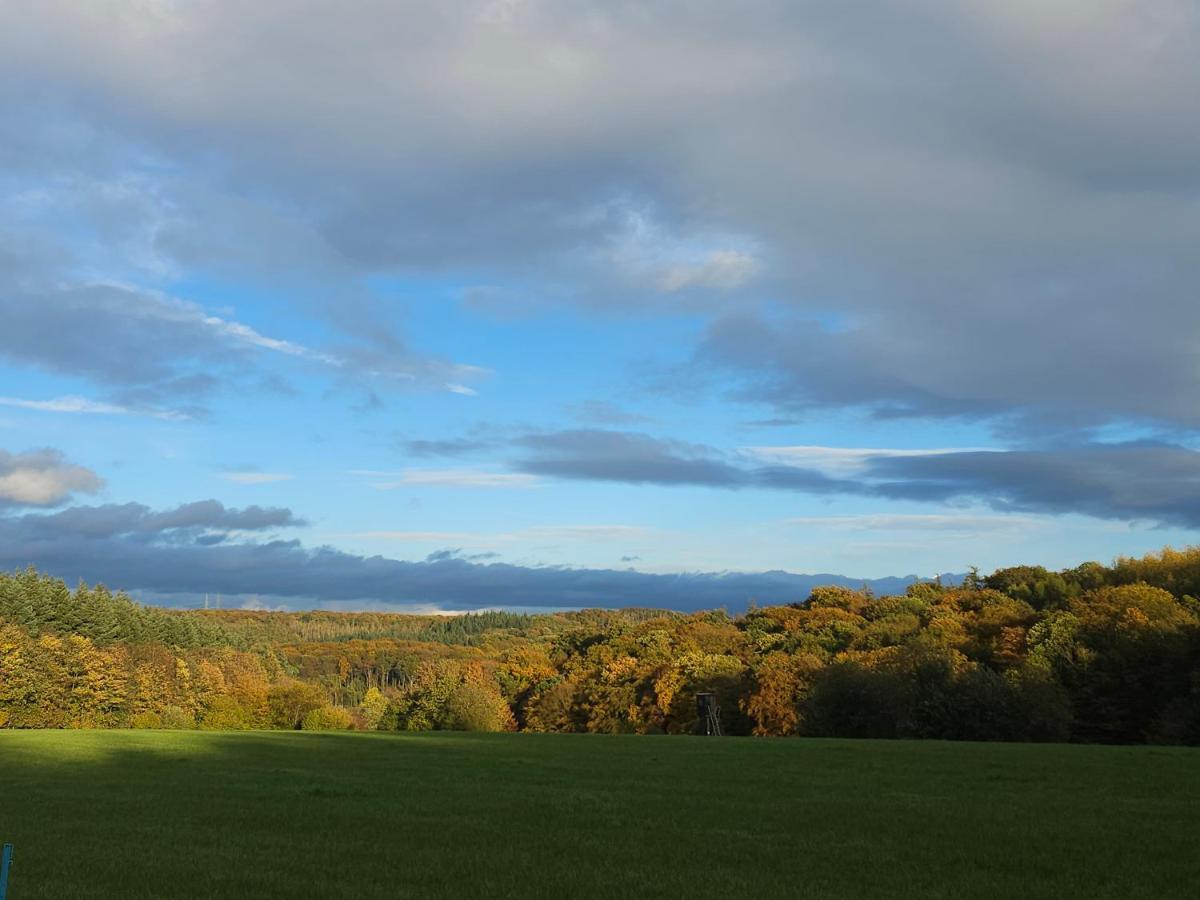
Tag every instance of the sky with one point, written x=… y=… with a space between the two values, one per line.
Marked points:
x=533 y=305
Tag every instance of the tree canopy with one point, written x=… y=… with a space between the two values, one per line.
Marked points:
x=1091 y=653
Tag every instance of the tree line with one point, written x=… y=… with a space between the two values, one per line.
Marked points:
x=1095 y=653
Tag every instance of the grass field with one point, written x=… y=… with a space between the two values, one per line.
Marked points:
x=129 y=814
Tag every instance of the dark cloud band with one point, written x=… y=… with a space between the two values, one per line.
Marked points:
x=1136 y=481
x=160 y=564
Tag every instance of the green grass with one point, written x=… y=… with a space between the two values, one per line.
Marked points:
x=129 y=814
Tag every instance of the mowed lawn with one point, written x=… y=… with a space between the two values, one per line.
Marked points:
x=129 y=814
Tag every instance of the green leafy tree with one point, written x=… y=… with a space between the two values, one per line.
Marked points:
x=326 y=718
x=290 y=702
x=373 y=708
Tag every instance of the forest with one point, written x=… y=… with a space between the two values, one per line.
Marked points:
x=1096 y=653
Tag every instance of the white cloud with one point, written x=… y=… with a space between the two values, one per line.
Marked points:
x=158 y=305
x=586 y=532
x=655 y=254
x=966 y=524
x=721 y=269
x=82 y=405
x=42 y=478
x=840 y=461
x=241 y=333
x=489 y=539
x=428 y=537
x=255 y=604
x=465 y=478
x=256 y=477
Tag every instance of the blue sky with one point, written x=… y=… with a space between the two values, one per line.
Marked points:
x=540 y=297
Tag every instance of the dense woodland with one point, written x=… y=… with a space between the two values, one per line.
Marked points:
x=1096 y=653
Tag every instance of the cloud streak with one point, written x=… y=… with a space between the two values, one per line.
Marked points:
x=255 y=477
x=589 y=533
x=959 y=524
x=84 y=406
x=188 y=520
x=457 y=478
x=838 y=460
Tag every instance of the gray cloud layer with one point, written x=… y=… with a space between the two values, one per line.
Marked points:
x=1133 y=481
x=154 y=351
x=133 y=548
x=186 y=521
x=144 y=347
x=1142 y=481
x=982 y=210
